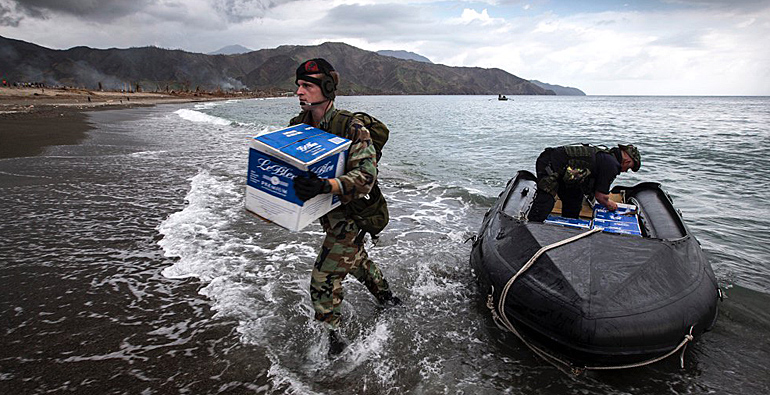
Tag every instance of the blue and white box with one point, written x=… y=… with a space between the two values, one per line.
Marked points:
x=570 y=222
x=624 y=220
x=275 y=158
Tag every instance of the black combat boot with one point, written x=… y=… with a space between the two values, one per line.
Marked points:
x=387 y=299
x=336 y=343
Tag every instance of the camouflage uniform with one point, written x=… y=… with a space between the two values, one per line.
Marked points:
x=341 y=253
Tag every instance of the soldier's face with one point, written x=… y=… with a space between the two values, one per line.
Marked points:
x=309 y=92
x=627 y=163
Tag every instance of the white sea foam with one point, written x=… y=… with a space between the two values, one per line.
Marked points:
x=262 y=281
x=199 y=117
x=24 y=175
x=281 y=377
x=240 y=275
x=147 y=154
x=195 y=234
x=206 y=105
x=265 y=129
x=368 y=347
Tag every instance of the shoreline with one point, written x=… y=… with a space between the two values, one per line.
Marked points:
x=32 y=119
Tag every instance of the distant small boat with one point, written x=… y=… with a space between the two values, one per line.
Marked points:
x=501 y=97
x=607 y=300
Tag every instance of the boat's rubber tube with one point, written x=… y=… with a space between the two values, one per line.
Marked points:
x=604 y=299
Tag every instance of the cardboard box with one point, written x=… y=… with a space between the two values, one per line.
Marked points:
x=276 y=158
x=587 y=209
x=623 y=220
x=571 y=222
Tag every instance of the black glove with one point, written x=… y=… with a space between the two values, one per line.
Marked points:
x=309 y=187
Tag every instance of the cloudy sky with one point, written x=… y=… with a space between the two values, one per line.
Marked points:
x=604 y=47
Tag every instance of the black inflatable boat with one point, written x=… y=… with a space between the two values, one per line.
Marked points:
x=587 y=294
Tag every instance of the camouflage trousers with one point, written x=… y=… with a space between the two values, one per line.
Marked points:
x=340 y=255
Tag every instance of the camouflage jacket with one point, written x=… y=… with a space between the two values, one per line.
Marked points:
x=361 y=165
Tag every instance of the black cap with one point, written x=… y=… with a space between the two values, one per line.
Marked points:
x=327 y=83
x=314 y=66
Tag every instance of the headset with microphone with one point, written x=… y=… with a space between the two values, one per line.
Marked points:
x=307 y=103
x=327 y=83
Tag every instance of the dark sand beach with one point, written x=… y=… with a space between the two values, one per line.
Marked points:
x=34 y=118
x=28 y=133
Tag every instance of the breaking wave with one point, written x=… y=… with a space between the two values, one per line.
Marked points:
x=199 y=117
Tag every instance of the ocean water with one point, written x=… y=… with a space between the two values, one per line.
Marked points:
x=129 y=264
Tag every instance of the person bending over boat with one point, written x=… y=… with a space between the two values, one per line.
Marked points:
x=342 y=252
x=573 y=171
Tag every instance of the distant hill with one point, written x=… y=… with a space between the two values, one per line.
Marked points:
x=271 y=70
x=231 y=50
x=406 y=55
x=559 y=90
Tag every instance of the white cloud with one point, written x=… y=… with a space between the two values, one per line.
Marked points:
x=642 y=53
x=703 y=47
x=470 y=15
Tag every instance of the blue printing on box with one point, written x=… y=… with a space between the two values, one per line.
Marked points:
x=316 y=146
x=276 y=177
x=571 y=222
x=284 y=137
x=302 y=142
x=612 y=222
x=616 y=222
x=618 y=215
x=618 y=227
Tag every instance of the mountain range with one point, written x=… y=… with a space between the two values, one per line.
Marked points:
x=231 y=50
x=558 y=89
x=404 y=55
x=267 y=70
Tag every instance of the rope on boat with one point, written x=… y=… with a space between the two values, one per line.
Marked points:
x=682 y=345
x=498 y=315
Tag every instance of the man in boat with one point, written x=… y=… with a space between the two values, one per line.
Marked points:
x=342 y=252
x=573 y=171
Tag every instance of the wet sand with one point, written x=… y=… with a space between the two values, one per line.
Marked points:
x=32 y=119
x=28 y=133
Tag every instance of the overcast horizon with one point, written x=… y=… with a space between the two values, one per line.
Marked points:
x=671 y=47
